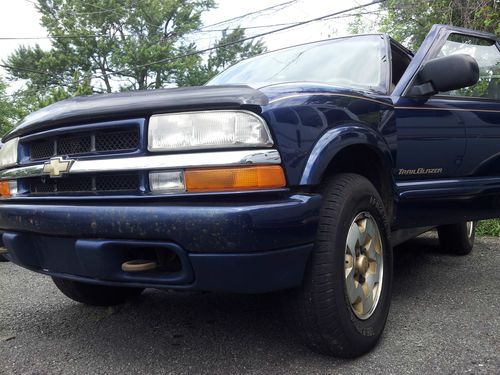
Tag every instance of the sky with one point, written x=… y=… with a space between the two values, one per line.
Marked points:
x=20 y=19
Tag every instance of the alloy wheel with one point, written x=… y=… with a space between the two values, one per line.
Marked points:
x=363 y=265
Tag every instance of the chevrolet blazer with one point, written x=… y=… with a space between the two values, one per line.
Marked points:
x=296 y=171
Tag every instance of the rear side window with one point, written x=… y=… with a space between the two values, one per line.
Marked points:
x=487 y=56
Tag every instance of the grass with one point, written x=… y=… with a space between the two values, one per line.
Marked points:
x=488 y=228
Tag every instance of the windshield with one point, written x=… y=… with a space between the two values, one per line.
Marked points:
x=354 y=61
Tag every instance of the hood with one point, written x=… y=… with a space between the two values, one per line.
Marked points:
x=136 y=104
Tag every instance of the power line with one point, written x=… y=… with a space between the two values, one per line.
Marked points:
x=47 y=37
x=203 y=29
x=202 y=51
x=285 y=4
x=19 y=68
x=103 y=10
x=205 y=50
x=198 y=31
x=284 y=24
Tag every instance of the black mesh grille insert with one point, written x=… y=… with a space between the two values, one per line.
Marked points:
x=98 y=141
x=41 y=149
x=73 y=145
x=73 y=184
x=126 y=140
x=82 y=184
x=116 y=183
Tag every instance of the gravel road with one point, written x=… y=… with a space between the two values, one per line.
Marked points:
x=444 y=320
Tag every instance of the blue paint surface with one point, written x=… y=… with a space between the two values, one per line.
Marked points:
x=260 y=241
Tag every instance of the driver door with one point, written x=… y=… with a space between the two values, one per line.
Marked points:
x=448 y=154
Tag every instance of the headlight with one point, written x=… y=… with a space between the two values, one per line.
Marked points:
x=8 y=153
x=207 y=129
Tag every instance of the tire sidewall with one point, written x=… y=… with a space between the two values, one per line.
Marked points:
x=470 y=240
x=362 y=198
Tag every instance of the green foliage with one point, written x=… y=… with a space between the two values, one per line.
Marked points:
x=118 y=45
x=120 y=38
x=489 y=228
x=18 y=105
x=409 y=21
x=7 y=109
x=223 y=57
x=356 y=25
x=229 y=51
x=360 y=24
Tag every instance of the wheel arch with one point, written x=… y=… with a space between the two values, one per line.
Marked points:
x=353 y=149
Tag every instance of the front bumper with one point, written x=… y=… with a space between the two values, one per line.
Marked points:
x=246 y=247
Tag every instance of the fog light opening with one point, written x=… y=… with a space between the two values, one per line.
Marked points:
x=151 y=259
x=168 y=261
x=139 y=265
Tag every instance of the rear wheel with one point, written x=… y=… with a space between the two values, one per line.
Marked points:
x=458 y=238
x=96 y=295
x=2 y=251
x=342 y=306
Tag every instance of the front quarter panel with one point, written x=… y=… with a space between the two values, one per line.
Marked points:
x=310 y=127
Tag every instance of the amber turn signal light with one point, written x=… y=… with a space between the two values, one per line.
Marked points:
x=231 y=179
x=5 y=189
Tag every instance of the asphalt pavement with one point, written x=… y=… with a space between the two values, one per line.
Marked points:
x=444 y=319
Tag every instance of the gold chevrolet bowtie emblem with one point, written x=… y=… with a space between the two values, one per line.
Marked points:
x=56 y=167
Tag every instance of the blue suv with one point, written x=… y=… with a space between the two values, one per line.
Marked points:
x=297 y=171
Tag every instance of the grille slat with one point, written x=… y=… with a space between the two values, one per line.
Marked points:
x=83 y=184
x=98 y=141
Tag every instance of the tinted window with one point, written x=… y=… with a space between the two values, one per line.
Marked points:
x=354 y=61
x=487 y=56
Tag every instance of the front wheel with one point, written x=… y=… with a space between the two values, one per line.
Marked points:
x=95 y=295
x=342 y=306
x=457 y=238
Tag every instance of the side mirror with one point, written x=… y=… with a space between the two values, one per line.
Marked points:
x=446 y=73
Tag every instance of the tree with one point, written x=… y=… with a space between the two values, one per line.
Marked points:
x=110 y=45
x=228 y=50
x=409 y=21
x=360 y=24
x=13 y=107
x=7 y=109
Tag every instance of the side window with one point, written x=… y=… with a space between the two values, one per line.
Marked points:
x=487 y=56
x=400 y=62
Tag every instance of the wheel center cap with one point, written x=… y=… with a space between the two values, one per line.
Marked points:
x=362 y=264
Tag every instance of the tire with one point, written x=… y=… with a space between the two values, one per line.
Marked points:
x=457 y=238
x=3 y=259
x=321 y=309
x=95 y=295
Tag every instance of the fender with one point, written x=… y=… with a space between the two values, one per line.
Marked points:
x=335 y=140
